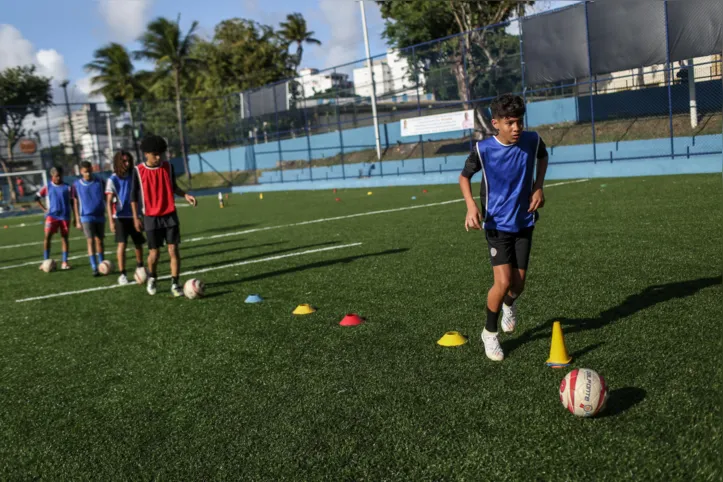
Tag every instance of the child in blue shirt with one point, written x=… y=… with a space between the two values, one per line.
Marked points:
x=90 y=212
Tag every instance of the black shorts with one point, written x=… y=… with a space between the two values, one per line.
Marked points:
x=124 y=227
x=160 y=229
x=509 y=248
x=94 y=230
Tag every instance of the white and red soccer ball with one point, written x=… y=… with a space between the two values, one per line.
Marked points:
x=141 y=276
x=48 y=265
x=583 y=392
x=193 y=288
x=105 y=267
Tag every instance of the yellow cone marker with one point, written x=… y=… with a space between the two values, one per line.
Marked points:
x=558 y=352
x=261 y=195
x=305 y=309
x=369 y=193
x=452 y=338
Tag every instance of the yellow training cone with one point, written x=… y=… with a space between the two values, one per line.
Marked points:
x=304 y=309
x=369 y=193
x=452 y=338
x=558 y=352
x=261 y=195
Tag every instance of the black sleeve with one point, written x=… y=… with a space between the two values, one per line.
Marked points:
x=541 y=149
x=135 y=188
x=472 y=165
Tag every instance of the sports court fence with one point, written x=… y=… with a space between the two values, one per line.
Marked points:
x=593 y=95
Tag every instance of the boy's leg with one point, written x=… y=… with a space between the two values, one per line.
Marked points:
x=501 y=252
x=46 y=244
x=173 y=239
x=522 y=245
x=121 y=255
x=175 y=256
x=88 y=231
x=99 y=233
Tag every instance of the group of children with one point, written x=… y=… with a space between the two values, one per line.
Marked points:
x=136 y=198
x=513 y=164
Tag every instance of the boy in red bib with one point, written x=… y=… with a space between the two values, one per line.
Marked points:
x=153 y=188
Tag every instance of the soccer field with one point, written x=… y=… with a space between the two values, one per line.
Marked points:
x=106 y=382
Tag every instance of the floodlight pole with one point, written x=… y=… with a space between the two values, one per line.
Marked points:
x=64 y=85
x=374 y=90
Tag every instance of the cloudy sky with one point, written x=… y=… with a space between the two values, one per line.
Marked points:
x=59 y=36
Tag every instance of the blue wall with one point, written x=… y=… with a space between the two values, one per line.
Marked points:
x=548 y=112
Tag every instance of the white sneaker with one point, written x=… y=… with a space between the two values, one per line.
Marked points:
x=122 y=280
x=176 y=290
x=509 y=318
x=493 y=350
x=151 y=286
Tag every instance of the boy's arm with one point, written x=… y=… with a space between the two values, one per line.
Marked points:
x=135 y=195
x=471 y=166
x=537 y=198
x=76 y=212
x=109 y=210
x=180 y=192
x=39 y=198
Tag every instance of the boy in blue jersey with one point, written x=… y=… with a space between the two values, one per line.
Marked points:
x=118 y=203
x=90 y=212
x=510 y=194
x=58 y=213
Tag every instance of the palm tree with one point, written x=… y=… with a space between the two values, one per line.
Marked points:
x=116 y=80
x=294 y=30
x=165 y=45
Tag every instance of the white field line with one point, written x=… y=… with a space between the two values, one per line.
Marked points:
x=302 y=223
x=189 y=273
x=35 y=243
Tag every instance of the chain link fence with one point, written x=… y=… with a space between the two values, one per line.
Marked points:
x=320 y=125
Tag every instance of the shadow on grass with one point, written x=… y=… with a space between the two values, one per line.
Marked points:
x=583 y=351
x=260 y=255
x=305 y=267
x=220 y=229
x=193 y=245
x=650 y=296
x=622 y=399
x=216 y=294
x=230 y=250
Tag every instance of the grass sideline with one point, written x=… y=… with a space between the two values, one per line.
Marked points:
x=116 y=384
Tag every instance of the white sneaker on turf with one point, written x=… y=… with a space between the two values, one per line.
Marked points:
x=122 y=280
x=151 y=286
x=509 y=318
x=493 y=350
x=176 y=290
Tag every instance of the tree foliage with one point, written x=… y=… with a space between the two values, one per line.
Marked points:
x=481 y=61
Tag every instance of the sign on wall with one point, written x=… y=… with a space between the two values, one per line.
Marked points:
x=433 y=124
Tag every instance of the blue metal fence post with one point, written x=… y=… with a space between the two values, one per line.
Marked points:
x=306 y=131
x=668 y=76
x=228 y=138
x=589 y=65
x=419 y=104
x=278 y=134
x=338 y=125
x=50 y=140
x=244 y=105
x=522 y=66
x=467 y=104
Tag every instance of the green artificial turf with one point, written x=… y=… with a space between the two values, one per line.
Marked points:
x=116 y=384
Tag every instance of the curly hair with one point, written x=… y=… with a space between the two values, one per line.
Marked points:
x=119 y=163
x=508 y=105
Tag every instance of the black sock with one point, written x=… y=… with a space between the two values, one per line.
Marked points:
x=491 y=324
x=152 y=275
x=139 y=265
x=123 y=272
x=175 y=280
x=508 y=300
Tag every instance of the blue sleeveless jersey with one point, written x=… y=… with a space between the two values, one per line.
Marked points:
x=508 y=177
x=91 y=200
x=120 y=187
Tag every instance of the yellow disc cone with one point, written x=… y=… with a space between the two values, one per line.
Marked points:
x=304 y=309
x=452 y=338
x=558 y=352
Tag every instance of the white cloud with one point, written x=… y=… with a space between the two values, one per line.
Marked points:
x=16 y=50
x=84 y=86
x=126 y=19
x=346 y=42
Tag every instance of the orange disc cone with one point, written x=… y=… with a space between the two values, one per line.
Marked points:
x=558 y=352
x=351 y=319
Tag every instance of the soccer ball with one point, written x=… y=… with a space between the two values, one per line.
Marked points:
x=583 y=392
x=105 y=267
x=48 y=265
x=141 y=276
x=193 y=288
